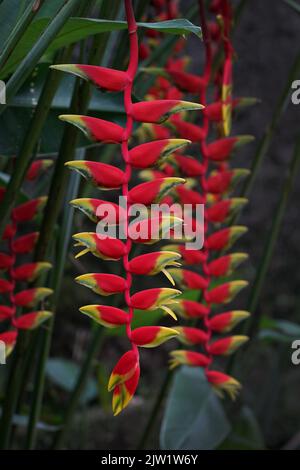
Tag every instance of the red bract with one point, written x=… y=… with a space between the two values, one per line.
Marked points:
x=159 y=111
x=220 y=150
x=27 y=211
x=100 y=174
x=110 y=317
x=96 y=129
x=25 y=244
x=152 y=153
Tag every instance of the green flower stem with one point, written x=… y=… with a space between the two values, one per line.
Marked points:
x=251 y=326
x=30 y=141
x=27 y=65
x=19 y=30
x=85 y=371
x=264 y=145
x=80 y=102
x=155 y=410
x=11 y=393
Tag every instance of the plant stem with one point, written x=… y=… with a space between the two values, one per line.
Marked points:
x=29 y=62
x=19 y=30
x=11 y=395
x=252 y=324
x=30 y=141
x=73 y=401
x=269 y=133
x=80 y=101
x=155 y=410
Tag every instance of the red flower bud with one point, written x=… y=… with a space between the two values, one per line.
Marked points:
x=124 y=392
x=107 y=248
x=103 y=176
x=226 y=346
x=187 y=81
x=111 y=317
x=153 y=191
x=96 y=129
x=152 y=336
x=223 y=383
x=191 y=336
x=188 y=130
x=152 y=153
x=32 y=320
x=10 y=339
x=30 y=271
x=30 y=297
x=189 y=166
x=5 y=286
x=6 y=261
x=158 y=111
x=190 y=309
x=37 y=168
x=108 y=79
x=222 y=210
x=103 y=284
x=27 y=211
x=221 y=149
x=190 y=358
x=225 y=322
x=6 y=312
x=225 y=238
x=123 y=370
x=188 y=279
x=25 y=244
x=226 y=264
x=224 y=293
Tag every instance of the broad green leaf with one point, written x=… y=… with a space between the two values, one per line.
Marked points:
x=246 y=433
x=10 y=11
x=281 y=331
x=64 y=374
x=77 y=29
x=194 y=418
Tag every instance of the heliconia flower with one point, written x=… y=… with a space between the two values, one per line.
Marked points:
x=226 y=346
x=188 y=279
x=124 y=369
x=153 y=229
x=30 y=297
x=227 y=97
x=153 y=191
x=221 y=149
x=224 y=293
x=188 y=196
x=158 y=111
x=9 y=232
x=173 y=93
x=6 y=261
x=189 y=166
x=103 y=284
x=108 y=79
x=225 y=322
x=224 y=181
x=9 y=338
x=190 y=358
x=110 y=317
x=151 y=299
x=191 y=336
x=214 y=111
x=190 y=257
x=225 y=238
x=152 y=153
x=27 y=211
x=96 y=129
x=106 y=249
x=152 y=336
x=37 y=168
x=187 y=81
x=25 y=243
x=124 y=392
x=153 y=131
x=32 y=320
x=226 y=264
x=188 y=130
x=6 y=312
x=144 y=51
x=5 y=286
x=91 y=208
x=223 y=383
x=30 y=271
x=190 y=309
x=154 y=263
x=222 y=210
x=102 y=175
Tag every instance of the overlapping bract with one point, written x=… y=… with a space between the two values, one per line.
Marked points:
x=125 y=376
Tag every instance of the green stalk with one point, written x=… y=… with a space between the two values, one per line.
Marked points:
x=11 y=393
x=29 y=62
x=252 y=324
x=264 y=145
x=61 y=255
x=155 y=410
x=30 y=141
x=19 y=30
x=80 y=101
x=85 y=372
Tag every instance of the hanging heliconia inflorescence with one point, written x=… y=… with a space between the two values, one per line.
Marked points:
x=21 y=299
x=217 y=181
x=125 y=375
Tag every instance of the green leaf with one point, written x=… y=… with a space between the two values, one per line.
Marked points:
x=293 y=4
x=77 y=29
x=246 y=433
x=194 y=418
x=64 y=374
x=280 y=331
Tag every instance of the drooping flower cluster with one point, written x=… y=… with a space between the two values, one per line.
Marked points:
x=217 y=181
x=18 y=309
x=125 y=375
